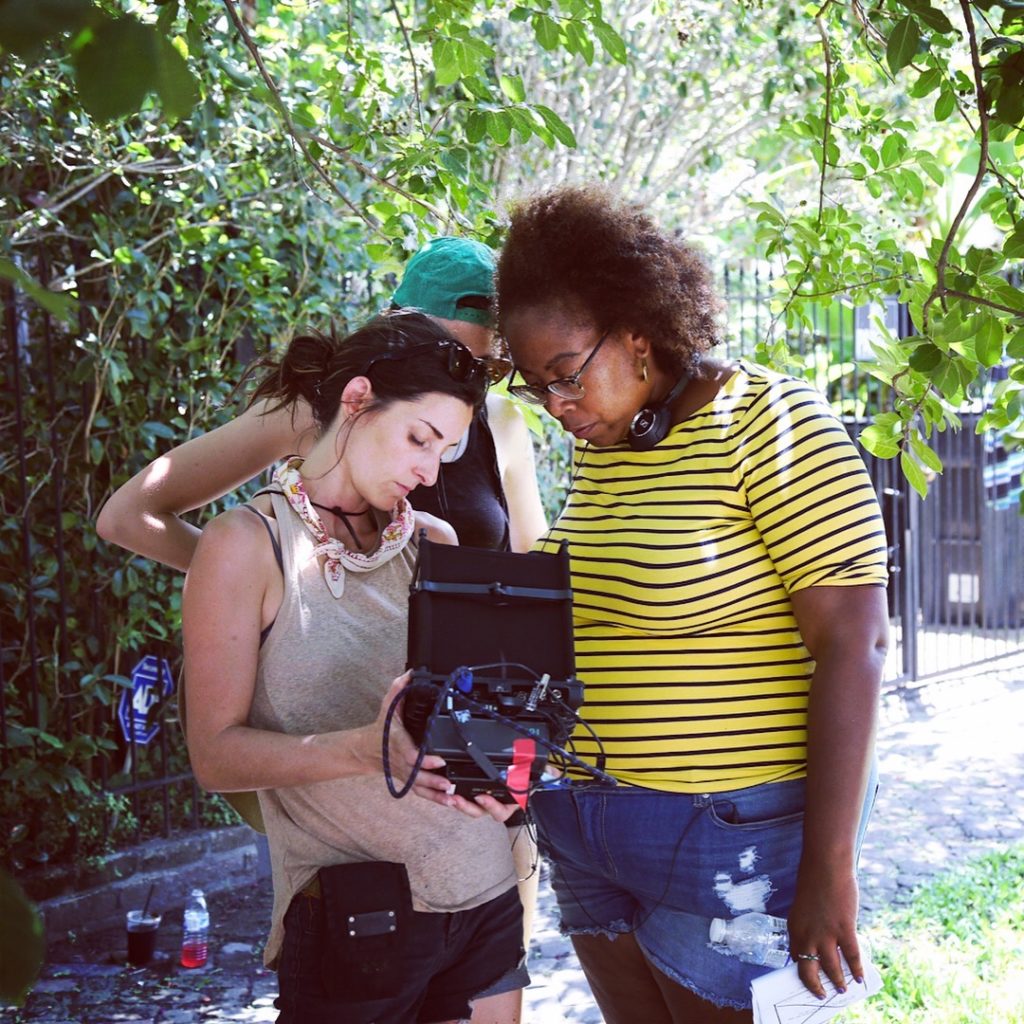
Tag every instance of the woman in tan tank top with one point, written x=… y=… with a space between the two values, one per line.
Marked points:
x=294 y=618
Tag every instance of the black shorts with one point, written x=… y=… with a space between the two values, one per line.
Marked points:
x=428 y=971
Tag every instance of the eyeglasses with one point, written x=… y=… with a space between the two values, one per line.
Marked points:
x=462 y=364
x=568 y=388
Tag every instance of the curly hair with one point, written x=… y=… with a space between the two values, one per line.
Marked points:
x=592 y=255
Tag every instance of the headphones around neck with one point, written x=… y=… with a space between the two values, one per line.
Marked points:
x=652 y=422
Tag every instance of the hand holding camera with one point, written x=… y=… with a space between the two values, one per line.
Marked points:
x=492 y=690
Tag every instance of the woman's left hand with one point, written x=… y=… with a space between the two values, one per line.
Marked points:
x=479 y=807
x=823 y=921
x=484 y=804
x=845 y=630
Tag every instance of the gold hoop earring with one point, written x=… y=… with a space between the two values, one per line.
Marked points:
x=643 y=369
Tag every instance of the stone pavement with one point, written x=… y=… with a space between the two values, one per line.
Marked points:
x=951 y=755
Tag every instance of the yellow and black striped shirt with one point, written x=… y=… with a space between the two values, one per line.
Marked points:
x=683 y=559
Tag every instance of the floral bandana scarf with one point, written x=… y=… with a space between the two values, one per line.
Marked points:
x=393 y=537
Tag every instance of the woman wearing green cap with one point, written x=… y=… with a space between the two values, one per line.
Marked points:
x=487 y=489
x=449 y=279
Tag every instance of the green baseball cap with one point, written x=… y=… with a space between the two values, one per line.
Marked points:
x=444 y=271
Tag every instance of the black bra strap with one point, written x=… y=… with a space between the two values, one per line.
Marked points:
x=265 y=520
x=265 y=632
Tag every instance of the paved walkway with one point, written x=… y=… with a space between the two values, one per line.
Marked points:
x=952 y=760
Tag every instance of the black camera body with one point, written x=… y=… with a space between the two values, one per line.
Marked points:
x=483 y=753
x=493 y=668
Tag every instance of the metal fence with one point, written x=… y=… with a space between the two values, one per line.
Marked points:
x=956 y=559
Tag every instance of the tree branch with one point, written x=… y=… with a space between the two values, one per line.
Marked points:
x=979 y=90
x=869 y=30
x=373 y=176
x=843 y=288
x=412 y=61
x=287 y=117
x=978 y=300
x=77 y=272
x=827 y=129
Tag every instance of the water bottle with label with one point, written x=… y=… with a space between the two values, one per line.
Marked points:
x=197 y=931
x=752 y=938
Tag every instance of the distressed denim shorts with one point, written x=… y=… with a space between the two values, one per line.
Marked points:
x=662 y=865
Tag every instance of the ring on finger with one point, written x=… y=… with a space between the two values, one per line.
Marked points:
x=806 y=956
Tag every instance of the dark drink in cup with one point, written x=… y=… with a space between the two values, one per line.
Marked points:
x=141 y=930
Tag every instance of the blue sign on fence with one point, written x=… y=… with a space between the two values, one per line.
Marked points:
x=151 y=680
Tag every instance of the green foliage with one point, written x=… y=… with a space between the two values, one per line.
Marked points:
x=118 y=59
x=22 y=942
x=865 y=230
x=554 y=465
x=172 y=206
x=954 y=953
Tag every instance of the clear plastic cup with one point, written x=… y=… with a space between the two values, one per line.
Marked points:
x=141 y=931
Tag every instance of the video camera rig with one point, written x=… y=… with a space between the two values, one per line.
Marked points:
x=493 y=688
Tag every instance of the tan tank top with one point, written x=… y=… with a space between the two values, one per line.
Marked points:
x=325 y=665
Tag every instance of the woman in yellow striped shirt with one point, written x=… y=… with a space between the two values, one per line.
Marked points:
x=728 y=562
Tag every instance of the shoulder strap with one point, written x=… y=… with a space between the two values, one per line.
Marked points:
x=265 y=520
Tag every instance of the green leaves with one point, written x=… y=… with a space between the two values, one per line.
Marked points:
x=930 y=79
x=27 y=25
x=945 y=104
x=62 y=306
x=1013 y=246
x=902 y=44
x=22 y=942
x=925 y=358
x=989 y=339
x=571 y=34
x=459 y=55
x=512 y=86
x=118 y=60
x=1010 y=74
x=556 y=125
x=614 y=45
x=172 y=81
x=549 y=35
x=914 y=474
x=928 y=15
x=882 y=438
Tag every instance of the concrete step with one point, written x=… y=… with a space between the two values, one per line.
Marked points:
x=87 y=897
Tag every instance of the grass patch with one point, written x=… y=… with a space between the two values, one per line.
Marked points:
x=956 y=954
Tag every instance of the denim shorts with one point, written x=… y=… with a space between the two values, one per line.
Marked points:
x=443 y=962
x=662 y=865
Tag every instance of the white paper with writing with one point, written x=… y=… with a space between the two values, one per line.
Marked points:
x=780 y=997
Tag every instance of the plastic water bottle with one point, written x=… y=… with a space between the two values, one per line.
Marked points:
x=197 y=930
x=753 y=938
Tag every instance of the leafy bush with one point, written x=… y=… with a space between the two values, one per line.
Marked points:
x=190 y=249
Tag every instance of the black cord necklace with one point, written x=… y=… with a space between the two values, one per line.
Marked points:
x=343 y=516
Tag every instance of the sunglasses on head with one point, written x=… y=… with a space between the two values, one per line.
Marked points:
x=462 y=364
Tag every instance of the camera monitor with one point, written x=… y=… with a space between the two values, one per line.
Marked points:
x=493 y=668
